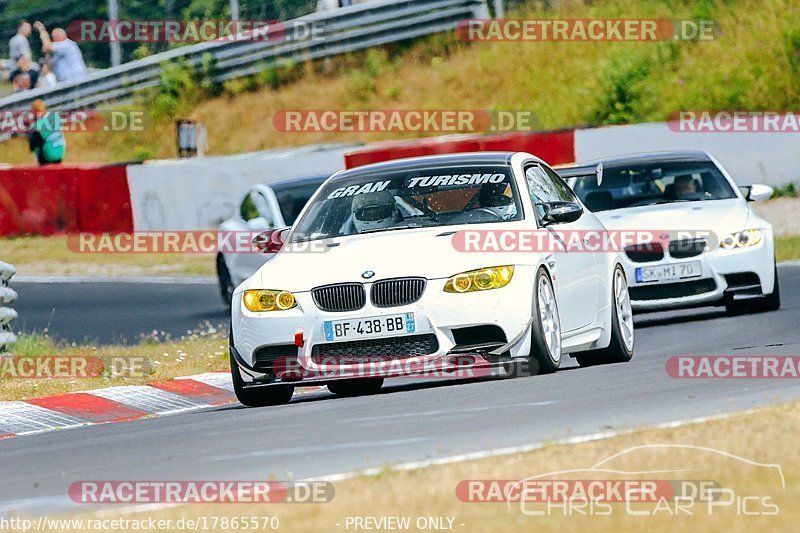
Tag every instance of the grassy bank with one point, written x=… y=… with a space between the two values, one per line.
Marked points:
x=764 y=436
x=154 y=357
x=753 y=63
x=51 y=256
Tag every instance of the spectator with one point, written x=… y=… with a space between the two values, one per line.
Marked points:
x=45 y=138
x=46 y=77
x=23 y=77
x=68 y=62
x=19 y=46
x=327 y=5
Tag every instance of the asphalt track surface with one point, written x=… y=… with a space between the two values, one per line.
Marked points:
x=321 y=434
x=114 y=312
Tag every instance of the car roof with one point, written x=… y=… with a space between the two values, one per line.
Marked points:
x=588 y=167
x=291 y=183
x=416 y=163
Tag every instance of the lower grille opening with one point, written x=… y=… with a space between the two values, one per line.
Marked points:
x=265 y=357
x=473 y=335
x=372 y=350
x=672 y=290
x=742 y=279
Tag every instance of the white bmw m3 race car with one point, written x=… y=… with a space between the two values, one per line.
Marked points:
x=713 y=248
x=368 y=284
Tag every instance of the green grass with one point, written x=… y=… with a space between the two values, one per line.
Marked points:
x=787 y=190
x=52 y=256
x=202 y=350
x=787 y=248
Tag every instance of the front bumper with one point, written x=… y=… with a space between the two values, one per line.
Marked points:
x=441 y=316
x=727 y=275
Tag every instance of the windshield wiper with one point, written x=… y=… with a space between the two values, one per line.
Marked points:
x=405 y=226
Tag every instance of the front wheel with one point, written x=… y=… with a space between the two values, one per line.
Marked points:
x=261 y=396
x=620 y=349
x=545 y=354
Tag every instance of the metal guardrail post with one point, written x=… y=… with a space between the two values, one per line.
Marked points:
x=7 y=315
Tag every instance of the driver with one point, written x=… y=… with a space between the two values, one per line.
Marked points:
x=684 y=185
x=373 y=211
x=493 y=197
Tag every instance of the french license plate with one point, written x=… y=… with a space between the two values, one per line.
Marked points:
x=670 y=272
x=376 y=326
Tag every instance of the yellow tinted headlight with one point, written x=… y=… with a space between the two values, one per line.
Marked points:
x=741 y=239
x=263 y=300
x=483 y=279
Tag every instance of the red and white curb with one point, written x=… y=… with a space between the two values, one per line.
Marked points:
x=119 y=404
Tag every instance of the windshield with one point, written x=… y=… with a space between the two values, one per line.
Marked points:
x=652 y=183
x=429 y=197
x=292 y=199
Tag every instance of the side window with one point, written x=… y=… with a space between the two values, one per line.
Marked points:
x=262 y=207
x=545 y=186
x=559 y=186
x=248 y=209
x=253 y=206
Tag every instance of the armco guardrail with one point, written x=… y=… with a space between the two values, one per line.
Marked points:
x=343 y=30
x=7 y=315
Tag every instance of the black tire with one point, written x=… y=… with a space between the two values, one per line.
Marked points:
x=261 y=396
x=226 y=287
x=540 y=360
x=770 y=302
x=355 y=387
x=616 y=351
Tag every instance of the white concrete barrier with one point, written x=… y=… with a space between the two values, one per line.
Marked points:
x=772 y=158
x=199 y=193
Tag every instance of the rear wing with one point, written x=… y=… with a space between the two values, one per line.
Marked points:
x=572 y=174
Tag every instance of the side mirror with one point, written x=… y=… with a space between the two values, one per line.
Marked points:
x=757 y=192
x=270 y=241
x=561 y=212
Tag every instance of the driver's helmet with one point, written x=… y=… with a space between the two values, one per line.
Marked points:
x=374 y=211
x=492 y=197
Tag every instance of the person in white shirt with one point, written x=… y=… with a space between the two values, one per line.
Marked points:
x=19 y=46
x=46 y=77
x=67 y=60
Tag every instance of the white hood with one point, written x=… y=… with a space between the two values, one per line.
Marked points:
x=423 y=252
x=720 y=216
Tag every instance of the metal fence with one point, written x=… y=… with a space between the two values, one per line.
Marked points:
x=7 y=315
x=339 y=31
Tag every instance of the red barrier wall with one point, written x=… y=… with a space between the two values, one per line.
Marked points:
x=555 y=147
x=64 y=198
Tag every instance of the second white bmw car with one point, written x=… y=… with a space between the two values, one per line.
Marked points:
x=369 y=277
x=713 y=250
